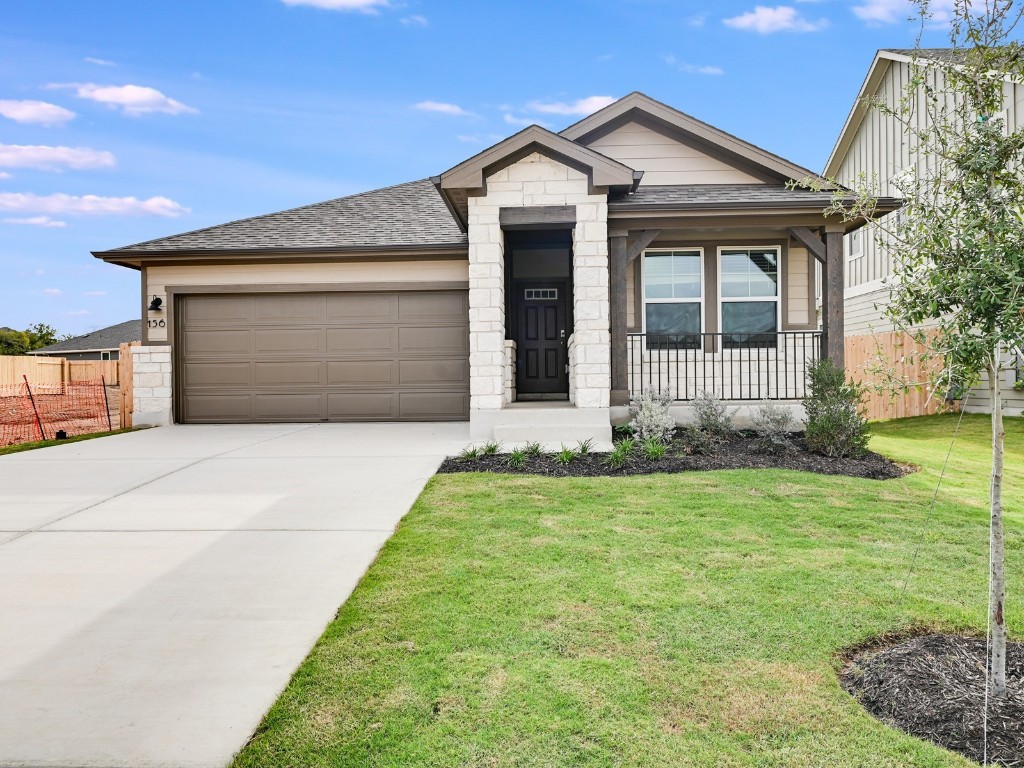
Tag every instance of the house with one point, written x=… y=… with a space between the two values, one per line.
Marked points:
x=872 y=143
x=101 y=344
x=531 y=289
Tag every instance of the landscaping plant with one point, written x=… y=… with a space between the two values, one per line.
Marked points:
x=835 y=421
x=651 y=417
x=773 y=424
x=517 y=458
x=711 y=414
x=565 y=456
x=654 y=449
x=620 y=455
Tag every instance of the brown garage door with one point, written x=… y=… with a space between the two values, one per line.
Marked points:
x=401 y=356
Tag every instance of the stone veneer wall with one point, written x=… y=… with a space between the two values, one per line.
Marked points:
x=152 y=386
x=531 y=181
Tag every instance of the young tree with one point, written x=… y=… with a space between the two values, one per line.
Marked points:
x=958 y=242
x=42 y=335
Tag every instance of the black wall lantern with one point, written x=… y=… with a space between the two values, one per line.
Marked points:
x=154 y=305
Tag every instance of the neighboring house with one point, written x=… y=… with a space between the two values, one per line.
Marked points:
x=874 y=145
x=101 y=344
x=531 y=289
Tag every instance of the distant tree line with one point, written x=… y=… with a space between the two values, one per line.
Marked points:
x=36 y=336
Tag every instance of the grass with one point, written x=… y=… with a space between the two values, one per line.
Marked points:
x=19 y=447
x=684 y=620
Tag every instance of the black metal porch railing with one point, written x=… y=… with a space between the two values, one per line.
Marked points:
x=733 y=366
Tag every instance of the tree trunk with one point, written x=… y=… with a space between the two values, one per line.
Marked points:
x=997 y=588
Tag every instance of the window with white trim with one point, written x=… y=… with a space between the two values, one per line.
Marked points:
x=104 y=355
x=749 y=291
x=673 y=282
x=855 y=245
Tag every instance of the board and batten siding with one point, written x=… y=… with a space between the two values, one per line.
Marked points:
x=665 y=160
x=157 y=279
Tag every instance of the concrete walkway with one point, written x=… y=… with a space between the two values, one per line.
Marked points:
x=159 y=588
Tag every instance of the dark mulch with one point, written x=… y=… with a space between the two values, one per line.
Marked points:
x=739 y=451
x=933 y=687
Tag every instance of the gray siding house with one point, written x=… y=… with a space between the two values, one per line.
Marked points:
x=531 y=289
x=101 y=344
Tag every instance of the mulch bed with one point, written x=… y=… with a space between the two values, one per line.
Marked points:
x=933 y=687
x=739 y=451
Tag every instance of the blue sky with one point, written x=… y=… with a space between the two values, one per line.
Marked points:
x=122 y=121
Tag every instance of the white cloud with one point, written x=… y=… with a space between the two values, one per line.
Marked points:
x=697 y=21
x=94 y=293
x=522 y=122
x=692 y=69
x=45 y=158
x=89 y=205
x=133 y=100
x=5 y=175
x=440 y=106
x=52 y=291
x=37 y=221
x=782 y=18
x=580 y=107
x=34 y=112
x=363 y=6
x=99 y=62
x=415 y=21
x=893 y=11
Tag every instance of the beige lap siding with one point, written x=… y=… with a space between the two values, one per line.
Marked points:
x=307 y=274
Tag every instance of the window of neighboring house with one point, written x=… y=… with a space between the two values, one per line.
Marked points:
x=673 y=283
x=104 y=355
x=855 y=245
x=749 y=288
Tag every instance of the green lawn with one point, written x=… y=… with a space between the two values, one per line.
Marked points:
x=19 y=447
x=687 y=620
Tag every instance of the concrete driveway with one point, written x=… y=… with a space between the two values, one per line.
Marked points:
x=159 y=588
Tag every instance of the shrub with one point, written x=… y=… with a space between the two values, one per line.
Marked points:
x=835 y=423
x=773 y=423
x=533 y=450
x=517 y=458
x=565 y=456
x=585 y=447
x=620 y=455
x=650 y=416
x=711 y=414
x=701 y=442
x=490 y=449
x=470 y=453
x=654 y=449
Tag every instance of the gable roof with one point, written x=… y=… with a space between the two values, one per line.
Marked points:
x=406 y=216
x=469 y=175
x=102 y=339
x=640 y=105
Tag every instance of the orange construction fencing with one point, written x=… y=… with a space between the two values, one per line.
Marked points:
x=30 y=412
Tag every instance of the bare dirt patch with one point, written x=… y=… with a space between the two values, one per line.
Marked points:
x=933 y=687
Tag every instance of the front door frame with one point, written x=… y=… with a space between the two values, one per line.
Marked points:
x=564 y=286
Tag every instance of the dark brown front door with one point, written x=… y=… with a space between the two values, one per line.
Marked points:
x=541 y=341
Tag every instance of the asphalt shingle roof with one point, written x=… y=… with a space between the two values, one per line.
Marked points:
x=720 y=195
x=405 y=215
x=104 y=338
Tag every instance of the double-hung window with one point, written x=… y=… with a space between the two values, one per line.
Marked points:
x=749 y=289
x=673 y=298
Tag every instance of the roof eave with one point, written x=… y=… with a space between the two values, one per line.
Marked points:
x=116 y=257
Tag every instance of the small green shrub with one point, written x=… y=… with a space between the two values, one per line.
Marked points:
x=470 y=453
x=701 y=442
x=711 y=414
x=492 y=448
x=654 y=449
x=565 y=456
x=650 y=416
x=585 y=447
x=623 y=430
x=836 y=425
x=533 y=450
x=773 y=424
x=621 y=453
x=517 y=458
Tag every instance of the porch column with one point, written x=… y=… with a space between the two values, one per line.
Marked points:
x=832 y=304
x=617 y=256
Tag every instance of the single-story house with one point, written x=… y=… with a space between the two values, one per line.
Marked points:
x=531 y=289
x=873 y=145
x=101 y=344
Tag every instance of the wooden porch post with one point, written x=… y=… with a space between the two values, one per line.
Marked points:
x=832 y=304
x=617 y=240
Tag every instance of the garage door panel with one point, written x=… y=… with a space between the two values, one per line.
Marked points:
x=362 y=373
x=288 y=341
x=362 y=307
x=445 y=340
x=287 y=407
x=362 y=406
x=366 y=341
x=298 y=308
x=330 y=356
x=297 y=373
x=424 y=406
x=204 y=407
x=217 y=374
x=216 y=343
x=436 y=373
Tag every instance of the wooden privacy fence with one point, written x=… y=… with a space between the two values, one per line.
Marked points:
x=126 y=377
x=55 y=370
x=878 y=360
